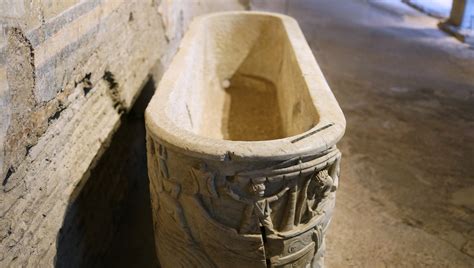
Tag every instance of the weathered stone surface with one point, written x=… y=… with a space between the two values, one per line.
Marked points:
x=96 y=222
x=68 y=70
x=241 y=144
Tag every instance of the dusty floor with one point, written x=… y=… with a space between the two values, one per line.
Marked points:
x=407 y=90
x=407 y=183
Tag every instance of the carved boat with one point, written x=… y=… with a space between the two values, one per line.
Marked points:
x=241 y=141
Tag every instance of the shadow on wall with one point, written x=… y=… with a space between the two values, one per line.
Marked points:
x=109 y=224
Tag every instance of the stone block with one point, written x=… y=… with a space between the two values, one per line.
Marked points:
x=242 y=155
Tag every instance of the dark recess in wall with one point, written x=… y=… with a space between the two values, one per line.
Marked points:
x=110 y=222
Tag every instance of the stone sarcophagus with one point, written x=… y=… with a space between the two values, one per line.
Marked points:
x=241 y=140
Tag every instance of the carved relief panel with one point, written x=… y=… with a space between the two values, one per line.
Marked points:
x=270 y=217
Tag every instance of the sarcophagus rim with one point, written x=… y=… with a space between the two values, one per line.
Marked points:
x=328 y=128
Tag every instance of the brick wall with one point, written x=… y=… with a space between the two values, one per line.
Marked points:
x=69 y=70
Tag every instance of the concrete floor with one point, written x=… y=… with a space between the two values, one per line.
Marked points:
x=406 y=195
x=407 y=90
